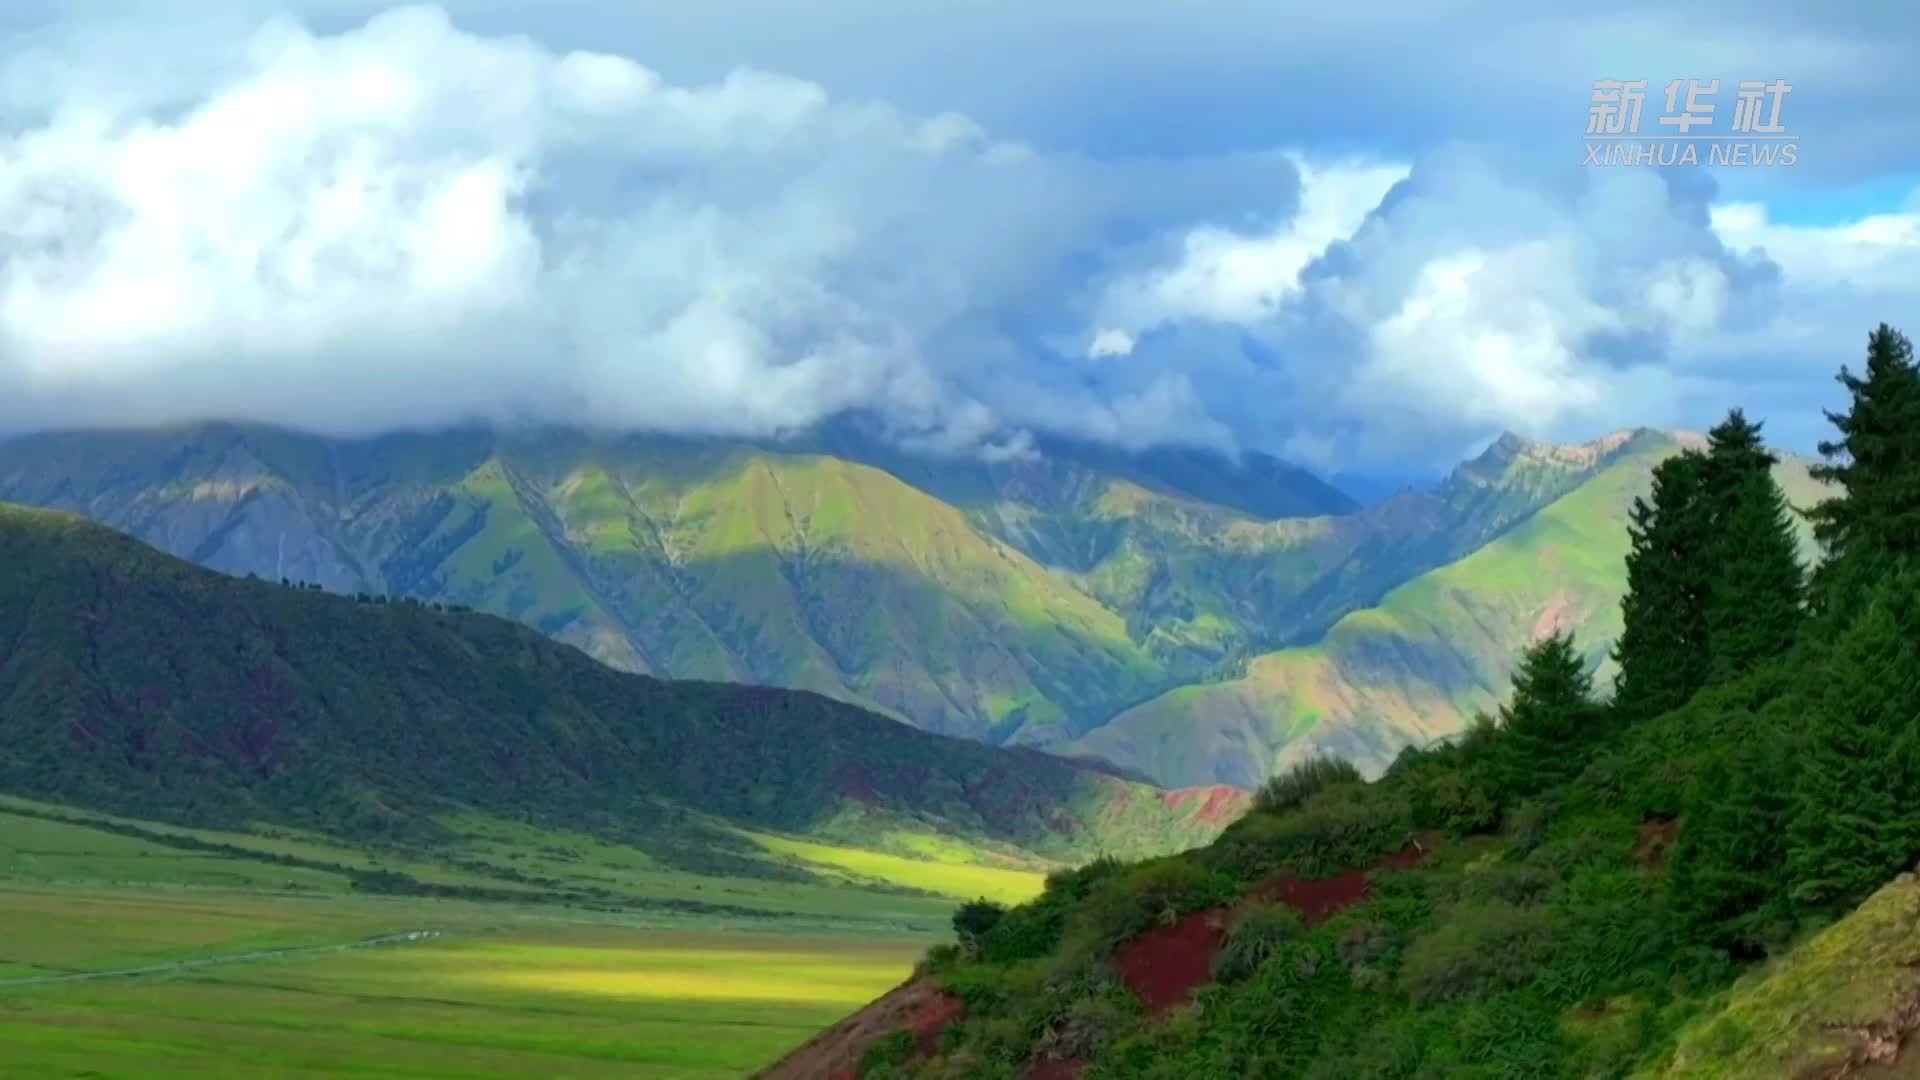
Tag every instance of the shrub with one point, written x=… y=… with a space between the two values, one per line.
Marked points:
x=939 y=960
x=1293 y=787
x=1475 y=949
x=1258 y=932
x=1365 y=948
x=1034 y=929
x=974 y=920
x=1088 y=1024
x=1449 y=800
x=1339 y=827
x=1157 y=892
x=1522 y=884
x=1527 y=824
x=887 y=1054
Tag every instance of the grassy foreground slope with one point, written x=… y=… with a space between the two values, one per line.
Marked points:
x=1843 y=1002
x=138 y=683
x=1420 y=664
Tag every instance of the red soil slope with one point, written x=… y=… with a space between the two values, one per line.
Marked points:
x=1165 y=964
x=1320 y=899
x=918 y=1005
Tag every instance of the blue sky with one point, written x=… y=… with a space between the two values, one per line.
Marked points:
x=1357 y=235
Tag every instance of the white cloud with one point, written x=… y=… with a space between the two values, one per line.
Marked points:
x=404 y=222
x=1879 y=253
x=1110 y=342
x=1236 y=277
x=1486 y=338
x=408 y=224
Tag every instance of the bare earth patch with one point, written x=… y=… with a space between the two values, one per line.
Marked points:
x=1166 y=964
x=917 y=1005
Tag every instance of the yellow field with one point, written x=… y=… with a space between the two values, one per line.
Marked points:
x=959 y=880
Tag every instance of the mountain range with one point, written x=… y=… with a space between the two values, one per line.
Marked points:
x=1184 y=616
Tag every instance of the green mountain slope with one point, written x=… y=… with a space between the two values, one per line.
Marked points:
x=1027 y=601
x=686 y=559
x=137 y=683
x=1418 y=665
x=1205 y=579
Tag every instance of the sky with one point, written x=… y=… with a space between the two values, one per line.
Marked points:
x=1359 y=236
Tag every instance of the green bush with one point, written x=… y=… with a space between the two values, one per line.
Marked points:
x=1451 y=801
x=1089 y=1023
x=974 y=920
x=1522 y=884
x=1475 y=949
x=1154 y=893
x=1366 y=949
x=1340 y=827
x=887 y=1054
x=1293 y=787
x=940 y=959
x=1257 y=934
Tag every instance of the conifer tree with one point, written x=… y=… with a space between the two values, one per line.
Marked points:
x=1755 y=597
x=1550 y=720
x=1662 y=648
x=1735 y=450
x=1876 y=463
x=1855 y=822
x=1729 y=863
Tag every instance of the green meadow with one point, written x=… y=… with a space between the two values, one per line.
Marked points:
x=124 y=953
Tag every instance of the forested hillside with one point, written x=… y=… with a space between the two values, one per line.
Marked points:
x=1576 y=886
x=134 y=682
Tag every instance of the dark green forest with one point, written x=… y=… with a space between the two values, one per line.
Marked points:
x=134 y=682
x=1576 y=876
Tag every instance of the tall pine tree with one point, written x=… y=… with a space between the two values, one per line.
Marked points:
x=1755 y=593
x=1734 y=450
x=1714 y=583
x=1729 y=864
x=1855 y=822
x=1662 y=648
x=1755 y=602
x=1551 y=719
x=1876 y=463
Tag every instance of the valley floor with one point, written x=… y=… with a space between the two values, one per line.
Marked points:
x=464 y=990
x=122 y=956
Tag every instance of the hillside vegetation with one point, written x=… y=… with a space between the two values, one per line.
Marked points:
x=137 y=683
x=1580 y=885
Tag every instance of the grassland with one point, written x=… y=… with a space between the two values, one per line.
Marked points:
x=126 y=954
x=51 y=845
x=495 y=991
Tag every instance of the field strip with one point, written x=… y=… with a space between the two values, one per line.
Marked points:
x=217 y=961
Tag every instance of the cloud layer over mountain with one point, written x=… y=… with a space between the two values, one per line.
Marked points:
x=355 y=222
